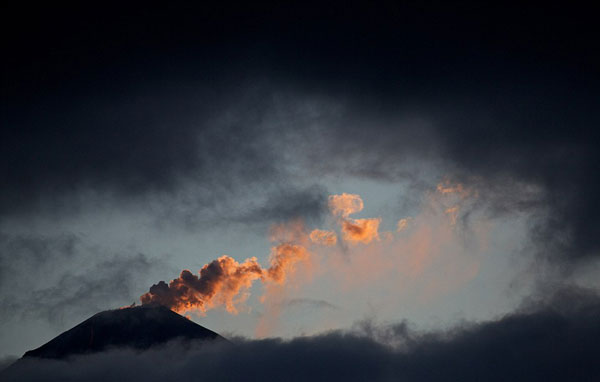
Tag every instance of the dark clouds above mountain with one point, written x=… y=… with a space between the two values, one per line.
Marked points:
x=58 y=278
x=545 y=343
x=136 y=102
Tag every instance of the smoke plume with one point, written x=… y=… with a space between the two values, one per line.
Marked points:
x=298 y=255
x=224 y=282
x=322 y=237
x=220 y=282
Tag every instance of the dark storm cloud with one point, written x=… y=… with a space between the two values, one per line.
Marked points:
x=539 y=156
x=25 y=251
x=129 y=145
x=254 y=207
x=104 y=285
x=502 y=100
x=545 y=344
x=309 y=203
x=58 y=277
x=138 y=101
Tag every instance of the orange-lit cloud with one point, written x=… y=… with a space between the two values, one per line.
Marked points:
x=430 y=259
x=447 y=187
x=345 y=204
x=426 y=261
x=322 y=237
x=360 y=230
x=353 y=230
x=290 y=266
x=220 y=282
x=284 y=258
x=225 y=282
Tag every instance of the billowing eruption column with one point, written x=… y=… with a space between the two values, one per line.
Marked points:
x=219 y=283
x=224 y=281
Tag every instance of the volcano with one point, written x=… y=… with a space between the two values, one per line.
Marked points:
x=140 y=327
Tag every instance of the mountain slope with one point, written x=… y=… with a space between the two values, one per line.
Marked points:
x=138 y=327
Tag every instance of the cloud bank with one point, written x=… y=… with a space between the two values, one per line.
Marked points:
x=226 y=109
x=547 y=342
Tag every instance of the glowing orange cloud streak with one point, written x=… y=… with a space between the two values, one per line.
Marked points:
x=327 y=238
x=361 y=230
x=447 y=187
x=345 y=204
x=353 y=230
x=223 y=282
x=284 y=258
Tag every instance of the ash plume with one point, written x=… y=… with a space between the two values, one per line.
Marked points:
x=299 y=254
x=224 y=281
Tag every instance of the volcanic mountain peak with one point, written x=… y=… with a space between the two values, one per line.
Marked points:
x=139 y=327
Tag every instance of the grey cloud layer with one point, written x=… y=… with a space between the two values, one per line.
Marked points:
x=58 y=277
x=192 y=102
x=548 y=343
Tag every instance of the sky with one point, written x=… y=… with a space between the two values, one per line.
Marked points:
x=419 y=164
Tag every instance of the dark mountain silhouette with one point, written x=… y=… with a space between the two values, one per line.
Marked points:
x=138 y=327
